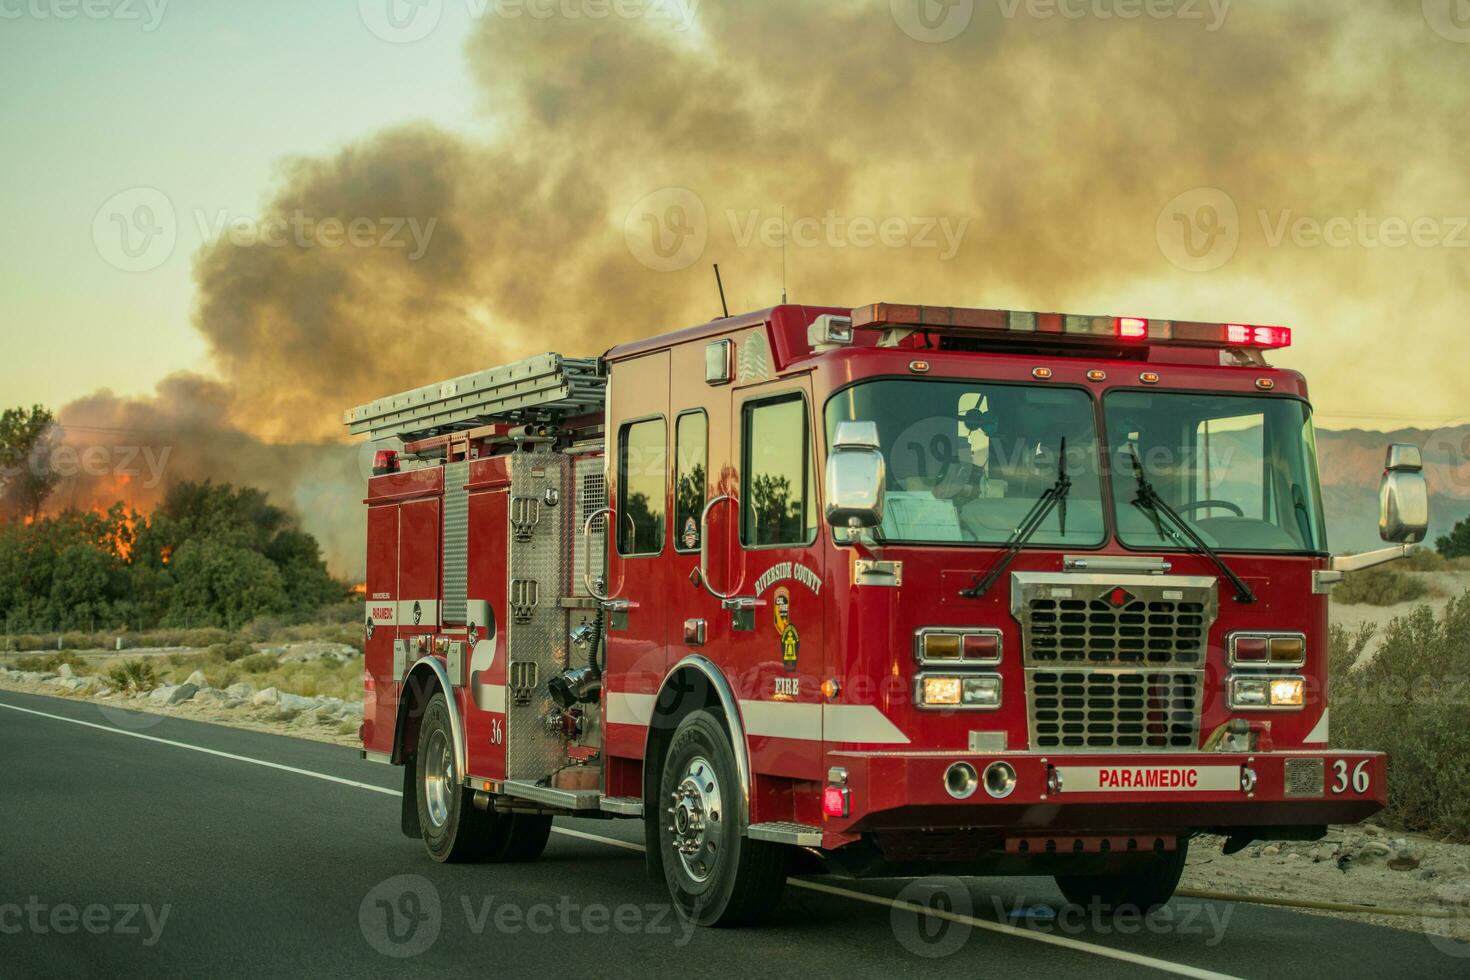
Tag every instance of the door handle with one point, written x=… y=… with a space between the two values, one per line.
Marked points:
x=605 y=600
x=704 y=553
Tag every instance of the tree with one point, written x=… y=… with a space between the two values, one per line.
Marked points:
x=1456 y=544
x=28 y=437
x=219 y=584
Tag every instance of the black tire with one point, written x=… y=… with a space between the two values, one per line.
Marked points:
x=728 y=879
x=453 y=829
x=1144 y=889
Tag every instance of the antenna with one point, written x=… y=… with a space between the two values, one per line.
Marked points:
x=723 y=305
x=783 y=253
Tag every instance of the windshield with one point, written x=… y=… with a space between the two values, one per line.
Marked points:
x=967 y=460
x=1241 y=470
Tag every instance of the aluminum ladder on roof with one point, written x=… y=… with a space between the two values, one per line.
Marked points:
x=545 y=387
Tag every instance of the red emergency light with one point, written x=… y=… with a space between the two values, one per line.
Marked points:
x=1019 y=326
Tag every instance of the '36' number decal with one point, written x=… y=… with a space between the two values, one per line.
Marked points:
x=1359 y=779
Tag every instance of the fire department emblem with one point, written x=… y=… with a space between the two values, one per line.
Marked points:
x=418 y=612
x=691 y=533
x=370 y=627
x=785 y=629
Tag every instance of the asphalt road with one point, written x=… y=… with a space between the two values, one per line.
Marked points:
x=264 y=855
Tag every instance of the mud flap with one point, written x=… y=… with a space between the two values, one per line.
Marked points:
x=409 y=820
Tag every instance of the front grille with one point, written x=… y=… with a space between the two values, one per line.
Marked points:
x=1096 y=631
x=1114 y=709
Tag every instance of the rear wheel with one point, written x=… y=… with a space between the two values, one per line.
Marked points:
x=716 y=876
x=1144 y=889
x=453 y=829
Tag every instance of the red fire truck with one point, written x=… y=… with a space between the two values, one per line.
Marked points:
x=875 y=591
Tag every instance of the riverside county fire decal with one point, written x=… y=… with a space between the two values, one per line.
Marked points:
x=781 y=604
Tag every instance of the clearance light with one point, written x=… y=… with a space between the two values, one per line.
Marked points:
x=1260 y=693
x=957 y=645
x=1041 y=373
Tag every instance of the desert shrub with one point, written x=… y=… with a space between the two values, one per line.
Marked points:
x=133 y=675
x=1411 y=699
x=48 y=662
x=230 y=652
x=1381 y=586
x=259 y=663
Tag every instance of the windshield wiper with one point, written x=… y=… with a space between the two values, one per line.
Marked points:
x=1054 y=496
x=1148 y=499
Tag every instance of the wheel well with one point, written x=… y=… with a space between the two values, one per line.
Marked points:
x=686 y=690
x=418 y=689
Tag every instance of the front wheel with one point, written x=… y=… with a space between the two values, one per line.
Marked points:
x=716 y=876
x=454 y=830
x=1144 y=889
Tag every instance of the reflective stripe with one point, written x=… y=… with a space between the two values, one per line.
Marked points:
x=1318 y=734
x=808 y=722
x=624 y=708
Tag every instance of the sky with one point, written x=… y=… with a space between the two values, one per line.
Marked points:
x=1313 y=157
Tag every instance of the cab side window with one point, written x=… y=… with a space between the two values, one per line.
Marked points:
x=779 y=506
x=691 y=478
x=642 y=487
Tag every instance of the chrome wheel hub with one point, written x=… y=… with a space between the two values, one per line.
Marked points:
x=439 y=785
x=696 y=813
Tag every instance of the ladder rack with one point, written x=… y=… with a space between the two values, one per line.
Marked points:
x=547 y=387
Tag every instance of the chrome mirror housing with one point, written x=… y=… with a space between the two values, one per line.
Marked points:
x=1403 y=497
x=856 y=473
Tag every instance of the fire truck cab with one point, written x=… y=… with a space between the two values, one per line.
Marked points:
x=878 y=591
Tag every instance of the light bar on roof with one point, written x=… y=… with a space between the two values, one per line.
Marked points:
x=1021 y=326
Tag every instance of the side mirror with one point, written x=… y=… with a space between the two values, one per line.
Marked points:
x=1403 y=498
x=855 y=477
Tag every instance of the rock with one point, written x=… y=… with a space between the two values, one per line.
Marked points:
x=1372 y=830
x=233 y=703
x=269 y=696
x=211 y=694
x=1407 y=859
x=290 y=705
x=1373 y=852
x=198 y=680
x=173 y=693
x=1293 y=856
x=1270 y=850
x=242 y=690
x=1323 y=853
x=65 y=671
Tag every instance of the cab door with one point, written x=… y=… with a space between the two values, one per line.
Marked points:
x=775 y=648
x=638 y=569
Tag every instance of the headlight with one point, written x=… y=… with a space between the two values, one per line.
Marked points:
x=1267 y=693
x=977 y=692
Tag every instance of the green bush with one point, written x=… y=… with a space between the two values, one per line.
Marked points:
x=259 y=663
x=133 y=675
x=1381 y=586
x=1411 y=699
x=231 y=651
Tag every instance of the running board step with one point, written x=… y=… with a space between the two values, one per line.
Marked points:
x=623 y=806
x=800 y=834
x=569 y=799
